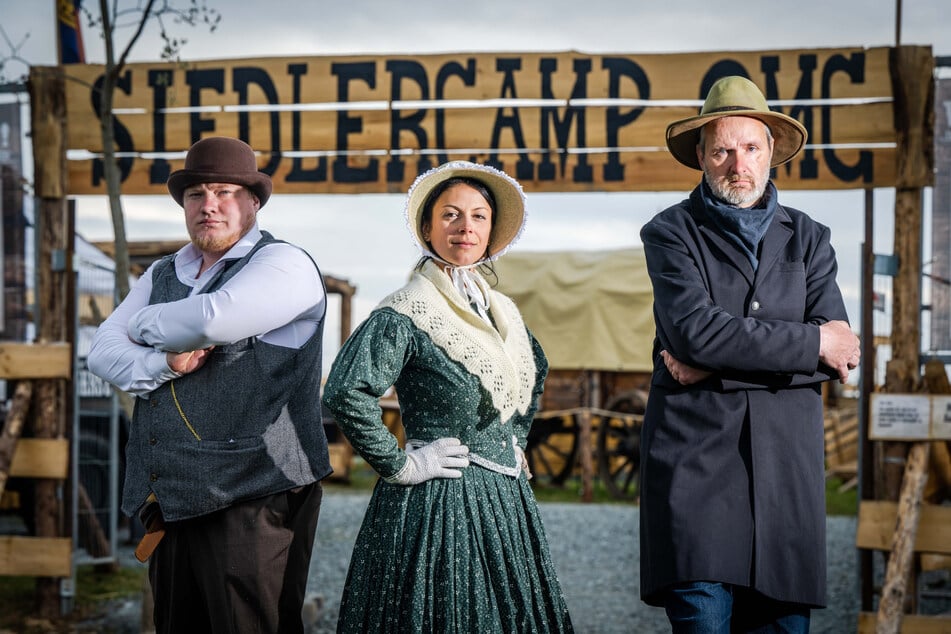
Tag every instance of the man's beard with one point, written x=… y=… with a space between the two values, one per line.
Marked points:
x=214 y=244
x=737 y=197
x=218 y=243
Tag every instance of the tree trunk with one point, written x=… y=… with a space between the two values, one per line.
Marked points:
x=110 y=170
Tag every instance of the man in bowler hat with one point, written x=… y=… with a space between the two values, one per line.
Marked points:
x=749 y=323
x=221 y=344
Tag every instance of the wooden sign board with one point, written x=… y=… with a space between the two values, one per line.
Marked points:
x=561 y=121
x=910 y=417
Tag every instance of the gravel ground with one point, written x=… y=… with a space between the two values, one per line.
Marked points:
x=594 y=548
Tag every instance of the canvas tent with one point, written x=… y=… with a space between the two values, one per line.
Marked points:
x=590 y=310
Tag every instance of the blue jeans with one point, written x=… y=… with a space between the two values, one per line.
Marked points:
x=704 y=607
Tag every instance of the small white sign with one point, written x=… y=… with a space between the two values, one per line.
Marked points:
x=900 y=416
x=941 y=417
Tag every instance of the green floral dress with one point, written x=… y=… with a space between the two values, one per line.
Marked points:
x=447 y=555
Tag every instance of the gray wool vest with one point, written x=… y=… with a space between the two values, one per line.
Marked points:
x=254 y=425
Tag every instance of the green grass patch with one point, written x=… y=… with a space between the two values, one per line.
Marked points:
x=841 y=499
x=95 y=588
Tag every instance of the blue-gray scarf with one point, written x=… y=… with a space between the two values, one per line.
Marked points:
x=743 y=227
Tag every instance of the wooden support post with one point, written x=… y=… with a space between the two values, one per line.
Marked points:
x=584 y=445
x=54 y=296
x=12 y=429
x=891 y=604
x=901 y=377
x=912 y=71
x=913 y=88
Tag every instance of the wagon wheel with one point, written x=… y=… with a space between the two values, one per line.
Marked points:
x=552 y=447
x=619 y=445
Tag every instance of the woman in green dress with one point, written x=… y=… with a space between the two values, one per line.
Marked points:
x=452 y=540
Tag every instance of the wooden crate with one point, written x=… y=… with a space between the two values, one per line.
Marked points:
x=876 y=528
x=842 y=442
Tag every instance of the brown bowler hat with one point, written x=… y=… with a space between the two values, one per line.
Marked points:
x=735 y=96
x=220 y=159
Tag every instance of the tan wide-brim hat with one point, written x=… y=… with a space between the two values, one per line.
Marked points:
x=735 y=96
x=220 y=160
x=508 y=215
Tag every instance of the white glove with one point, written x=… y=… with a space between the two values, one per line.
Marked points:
x=442 y=458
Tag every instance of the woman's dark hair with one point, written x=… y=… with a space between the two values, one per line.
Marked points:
x=427 y=212
x=437 y=191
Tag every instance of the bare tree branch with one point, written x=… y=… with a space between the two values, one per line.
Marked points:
x=114 y=16
x=14 y=55
x=146 y=14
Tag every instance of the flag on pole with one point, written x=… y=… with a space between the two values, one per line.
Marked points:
x=70 y=34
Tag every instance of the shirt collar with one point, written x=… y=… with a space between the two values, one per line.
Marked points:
x=188 y=258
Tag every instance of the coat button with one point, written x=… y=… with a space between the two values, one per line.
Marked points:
x=754 y=305
x=153 y=477
x=153 y=440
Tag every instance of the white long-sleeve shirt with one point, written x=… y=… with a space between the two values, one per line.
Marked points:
x=277 y=297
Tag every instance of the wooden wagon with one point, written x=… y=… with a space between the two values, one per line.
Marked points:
x=592 y=314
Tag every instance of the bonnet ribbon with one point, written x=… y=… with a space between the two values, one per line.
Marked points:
x=473 y=288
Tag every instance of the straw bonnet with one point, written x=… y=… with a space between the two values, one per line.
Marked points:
x=732 y=96
x=508 y=215
x=220 y=160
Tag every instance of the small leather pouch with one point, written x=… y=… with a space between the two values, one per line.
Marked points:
x=151 y=516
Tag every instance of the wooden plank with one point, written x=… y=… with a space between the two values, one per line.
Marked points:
x=472 y=76
x=41 y=458
x=341 y=460
x=490 y=107
x=876 y=527
x=13 y=428
x=518 y=127
x=901 y=557
x=10 y=501
x=911 y=624
x=841 y=442
x=629 y=170
x=848 y=436
x=35 y=556
x=930 y=562
x=35 y=360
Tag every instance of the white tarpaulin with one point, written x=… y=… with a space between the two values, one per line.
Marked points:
x=590 y=310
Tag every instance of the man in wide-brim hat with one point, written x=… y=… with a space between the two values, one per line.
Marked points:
x=732 y=97
x=221 y=343
x=749 y=323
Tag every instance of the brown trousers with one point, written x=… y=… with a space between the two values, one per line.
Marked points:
x=239 y=570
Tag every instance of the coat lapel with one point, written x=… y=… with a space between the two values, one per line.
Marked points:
x=774 y=243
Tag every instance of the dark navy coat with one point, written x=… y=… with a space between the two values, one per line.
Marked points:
x=732 y=468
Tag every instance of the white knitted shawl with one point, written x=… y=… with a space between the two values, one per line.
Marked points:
x=501 y=359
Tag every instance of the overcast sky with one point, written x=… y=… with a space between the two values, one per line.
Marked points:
x=362 y=238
